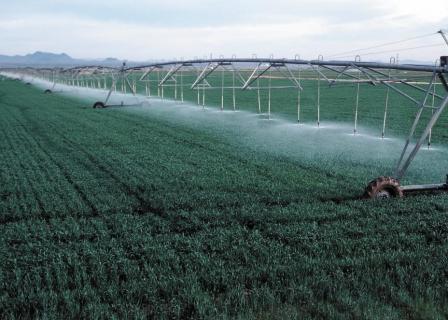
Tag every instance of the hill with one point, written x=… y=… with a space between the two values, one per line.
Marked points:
x=48 y=59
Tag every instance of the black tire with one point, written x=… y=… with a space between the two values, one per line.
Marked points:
x=99 y=105
x=383 y=187
x=48 y=91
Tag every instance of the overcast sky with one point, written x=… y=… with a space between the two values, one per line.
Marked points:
x=166 y=29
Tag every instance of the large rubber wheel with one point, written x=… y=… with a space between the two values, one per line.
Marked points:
x=383 y=187
x=99 y=105
x=47 y=91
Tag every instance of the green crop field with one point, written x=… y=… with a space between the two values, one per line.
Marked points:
x=171 y=212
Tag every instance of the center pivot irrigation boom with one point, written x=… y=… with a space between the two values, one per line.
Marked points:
x=246 y=74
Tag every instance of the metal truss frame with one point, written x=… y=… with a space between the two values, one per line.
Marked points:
x=374 y=73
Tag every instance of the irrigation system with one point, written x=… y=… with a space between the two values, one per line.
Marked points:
x=246 y=73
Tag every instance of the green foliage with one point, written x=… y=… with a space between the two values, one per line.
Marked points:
x=109 y=214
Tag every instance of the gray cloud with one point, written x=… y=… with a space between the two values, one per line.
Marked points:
x=138 y=29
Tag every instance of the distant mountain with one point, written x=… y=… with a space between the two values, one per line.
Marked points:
x=47 y=59
x=112 y=60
